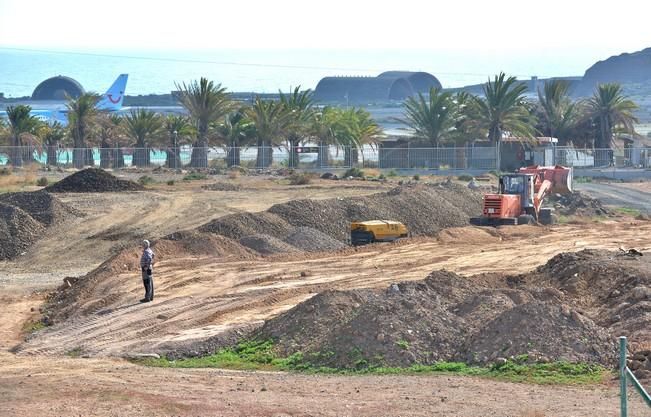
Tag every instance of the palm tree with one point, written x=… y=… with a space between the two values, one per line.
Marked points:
x=432 y=118
x=177 y=126
x=111 y=134
x=206 y=102
x=355 y=129
x=559 y=115
x=611 y=112
x=143 y=127
x=270 y=120
x=236 y=130
x=502 y=109
x=52 y=135
x=22 y=127
x=82 y=113
x=323 y=129
x=299 y=106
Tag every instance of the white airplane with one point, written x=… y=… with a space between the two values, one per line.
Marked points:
x=111 y=101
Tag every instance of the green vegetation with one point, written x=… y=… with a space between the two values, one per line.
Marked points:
x=195 y=176
x=146 y=180
x=403 y=344
x=416 y=177
x=627 y=211
x=33 y=326
x=74 y=353
x=260 y=355
x=392 y=173
x=583 y=180
x=465 y=177
x=42 y=182
x=170 y=182
x=354 y=172
x=5 y=171
x=300 y=178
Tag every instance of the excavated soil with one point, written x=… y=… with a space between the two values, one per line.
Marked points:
x=41 y=205
x=18 y=231
x=578 y=204
x=572 y=308
x=267 y=245
x=315 y=225
x=93 y=180
x=312 y=240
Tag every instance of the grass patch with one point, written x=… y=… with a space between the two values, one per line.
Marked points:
x=583 y=180
x=146 y=180
x=74 y=353
x=260 y=355
x=627 y=211
x=392 y=173
x=33 y=326
x=354 y=172
x=195 y=176
x=465 y=177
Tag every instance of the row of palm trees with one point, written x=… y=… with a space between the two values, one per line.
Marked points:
x=214 y=118
x=443 y=117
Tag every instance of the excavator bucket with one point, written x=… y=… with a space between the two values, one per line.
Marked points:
x=560 y=177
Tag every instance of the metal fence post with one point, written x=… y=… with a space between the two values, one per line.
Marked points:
x=622 y=377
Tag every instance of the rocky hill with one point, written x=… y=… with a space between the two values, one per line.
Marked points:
x=630 y=70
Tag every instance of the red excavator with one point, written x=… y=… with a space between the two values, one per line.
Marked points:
x=521 y=196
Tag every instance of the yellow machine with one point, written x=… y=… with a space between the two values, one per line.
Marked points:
x=370 y=231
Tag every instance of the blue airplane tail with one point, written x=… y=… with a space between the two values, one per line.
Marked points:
x=112 y=99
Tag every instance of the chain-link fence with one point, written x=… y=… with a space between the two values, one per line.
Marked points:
x=603 y=158
x=302 y=157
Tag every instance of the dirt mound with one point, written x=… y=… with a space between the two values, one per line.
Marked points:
x=41 y=205
x=222 y=186
x=266 y=245
x=577 y=204
x=542 y=331
x=478 y=320
x=237 y=226
x=18 y=231
x=93 y=180
x=424 y=209
x=312 y=240
x=202 y=244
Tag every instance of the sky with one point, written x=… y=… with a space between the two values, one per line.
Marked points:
x=462 y=25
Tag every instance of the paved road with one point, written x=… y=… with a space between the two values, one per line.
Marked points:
x=615 y=195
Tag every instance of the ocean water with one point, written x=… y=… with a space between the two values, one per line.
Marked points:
x=156 y=72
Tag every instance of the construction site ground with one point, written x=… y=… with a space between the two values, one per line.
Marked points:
x=198 y=295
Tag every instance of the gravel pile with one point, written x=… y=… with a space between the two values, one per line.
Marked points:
x=222 y=186
x=93 y=180
x=236 y=226
x=424 y=209
x=18 y=231
x=266 y=245
x=312 y=240
x=41 y=205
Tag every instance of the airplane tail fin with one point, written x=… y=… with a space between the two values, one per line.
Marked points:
x=112 y=99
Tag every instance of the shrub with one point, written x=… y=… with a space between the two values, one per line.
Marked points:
x=146 y=180
x=170 y=182
x=5 y=171
x=299 y=179
x=465 y=177
x=42 y=182
x=416 y=177
x=392 y=173
x=382 y=177
x=354 y=172
x=194 y=176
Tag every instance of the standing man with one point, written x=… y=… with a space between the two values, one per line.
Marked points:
x=146 y=263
